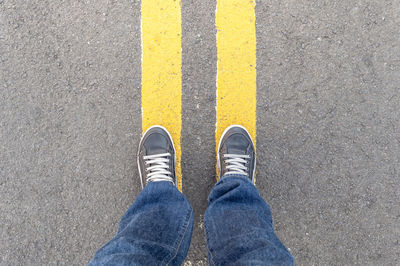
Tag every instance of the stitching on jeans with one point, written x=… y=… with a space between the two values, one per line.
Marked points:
x=211 y=256
x=181 y=239
x=208 y=241
x=183 y=236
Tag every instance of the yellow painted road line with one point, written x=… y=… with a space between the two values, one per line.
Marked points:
x=161 y=70
x=236 y=76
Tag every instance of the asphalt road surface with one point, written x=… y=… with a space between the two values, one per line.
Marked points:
x=328 y=129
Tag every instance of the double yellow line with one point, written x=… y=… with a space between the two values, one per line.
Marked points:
x=162 y=67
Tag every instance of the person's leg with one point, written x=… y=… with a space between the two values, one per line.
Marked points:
x=157 y=228
x=238 y=225
x=238 y=222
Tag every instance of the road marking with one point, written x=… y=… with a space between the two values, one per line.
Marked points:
x=161 y=70
x=236 y=73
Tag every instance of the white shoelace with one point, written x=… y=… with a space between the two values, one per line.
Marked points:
x=158 y=167
x=236 y=164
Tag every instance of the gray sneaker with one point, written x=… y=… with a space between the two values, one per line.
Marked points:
x=156 y=156
x=236 y=154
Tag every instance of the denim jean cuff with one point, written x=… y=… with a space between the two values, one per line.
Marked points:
x=235 y=176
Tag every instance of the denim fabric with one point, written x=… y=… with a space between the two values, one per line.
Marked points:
x=157 y=228
x=239 y=228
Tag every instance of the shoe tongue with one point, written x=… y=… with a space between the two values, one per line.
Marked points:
x=236 y=149
x=156 y=144
x=155 y=151
x=237 y=145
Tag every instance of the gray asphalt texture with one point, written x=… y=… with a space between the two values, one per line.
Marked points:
x=328 y=129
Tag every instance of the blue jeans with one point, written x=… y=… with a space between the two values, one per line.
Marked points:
x=157 y=228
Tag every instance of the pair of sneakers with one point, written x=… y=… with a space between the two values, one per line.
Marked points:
x=157 y=159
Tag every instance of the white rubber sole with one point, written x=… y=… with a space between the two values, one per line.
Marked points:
x=140 y=144
x=219 y=146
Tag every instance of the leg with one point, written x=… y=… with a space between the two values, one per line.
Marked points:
x=239 y=227
x=238 y=222
x=156 y=230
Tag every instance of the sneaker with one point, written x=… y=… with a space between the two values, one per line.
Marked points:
x=156 y=156
x=236 y=154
